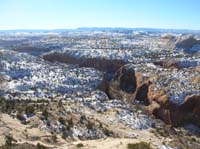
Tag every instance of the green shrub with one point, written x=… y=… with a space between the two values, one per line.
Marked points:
x=141 y=145
x=45 y=114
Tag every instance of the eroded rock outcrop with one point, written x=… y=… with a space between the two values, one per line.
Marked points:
x=129 y=86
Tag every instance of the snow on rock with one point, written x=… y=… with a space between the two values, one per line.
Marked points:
x=134 y=120
x=125 y=55
x=33 y=77
x=176 y=82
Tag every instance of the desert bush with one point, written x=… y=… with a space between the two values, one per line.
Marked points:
x=79 y=145
x=29 y=109
x=45 y=114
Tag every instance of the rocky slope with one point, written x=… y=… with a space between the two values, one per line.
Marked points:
x=99 y=86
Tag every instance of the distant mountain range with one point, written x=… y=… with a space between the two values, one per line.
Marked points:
x=117 y=29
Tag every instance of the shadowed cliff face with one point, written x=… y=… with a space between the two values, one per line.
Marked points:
x=100 y=64
x=128 y=85
x=125 y=79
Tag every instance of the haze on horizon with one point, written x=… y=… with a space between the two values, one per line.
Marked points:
x=70 y=14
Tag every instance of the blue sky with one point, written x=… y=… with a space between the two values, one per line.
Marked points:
x=55 y=14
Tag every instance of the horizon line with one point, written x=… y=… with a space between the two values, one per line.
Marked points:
x=50 y=29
